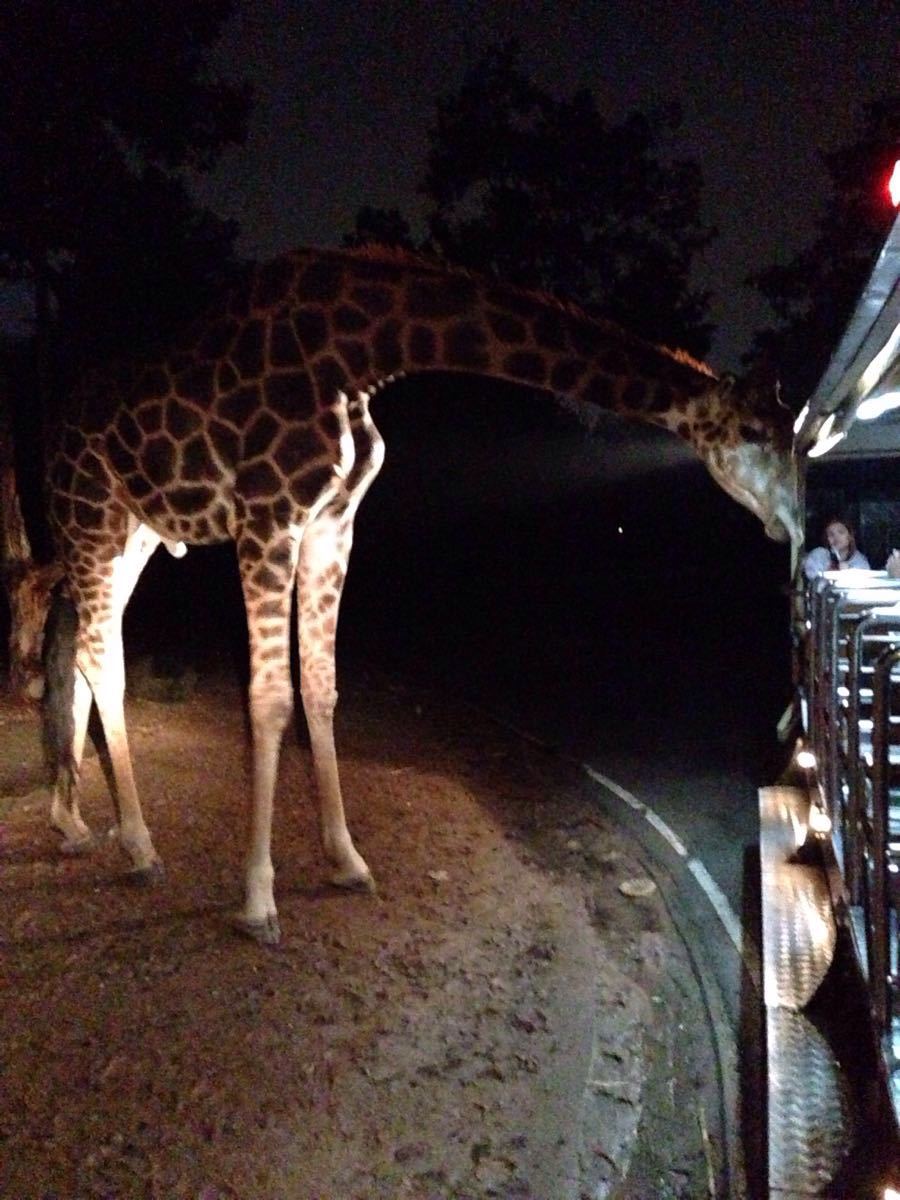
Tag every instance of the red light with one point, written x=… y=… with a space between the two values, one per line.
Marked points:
x=894 y=185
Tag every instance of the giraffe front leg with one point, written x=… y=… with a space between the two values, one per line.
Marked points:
x=267 y=573
x=323 y=566
x=270 y=708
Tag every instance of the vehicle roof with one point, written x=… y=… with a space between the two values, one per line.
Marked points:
x=865 y=363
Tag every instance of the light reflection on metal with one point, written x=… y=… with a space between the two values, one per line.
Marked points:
x=876 y=406
x=894 y=185
x=823 y=445
x=819 y=821
x=826 y=427
x=819 y=927
x=798 y=828
x=801 y=417
x=880 y=363
x=827 y=437
x=806 y=759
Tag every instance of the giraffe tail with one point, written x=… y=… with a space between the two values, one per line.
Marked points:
x=58 y=720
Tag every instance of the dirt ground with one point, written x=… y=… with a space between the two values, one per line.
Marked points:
x=492 y=1024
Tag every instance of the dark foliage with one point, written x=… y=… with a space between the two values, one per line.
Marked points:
x=814 y=294
x=384 y=226
x=101 y=105
x=547 y=193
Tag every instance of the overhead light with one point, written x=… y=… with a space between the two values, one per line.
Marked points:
x=875 y=406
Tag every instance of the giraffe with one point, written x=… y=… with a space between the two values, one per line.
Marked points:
x=256 y=428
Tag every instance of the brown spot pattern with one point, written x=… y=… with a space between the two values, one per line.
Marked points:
x=312 y=330
x=284 y=348
x=465 y=345
x=422 y=345
x=376 y=301
x=158 y=460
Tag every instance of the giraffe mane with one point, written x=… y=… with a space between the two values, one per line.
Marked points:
x=384 y=252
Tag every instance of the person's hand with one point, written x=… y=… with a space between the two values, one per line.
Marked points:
x=893 y=564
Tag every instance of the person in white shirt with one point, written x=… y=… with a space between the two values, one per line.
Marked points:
x=839 y=553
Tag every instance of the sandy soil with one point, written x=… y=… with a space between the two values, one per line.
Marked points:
x=485 y=1026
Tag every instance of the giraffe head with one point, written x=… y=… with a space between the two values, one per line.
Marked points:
x=745 y=439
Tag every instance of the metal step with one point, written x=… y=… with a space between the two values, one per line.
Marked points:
x=810 y=1117
x=799 y=933
x=810 y=1120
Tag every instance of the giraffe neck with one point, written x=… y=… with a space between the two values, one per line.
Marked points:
x=390 y=317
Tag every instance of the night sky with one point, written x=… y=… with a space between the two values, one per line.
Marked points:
x=345 y=94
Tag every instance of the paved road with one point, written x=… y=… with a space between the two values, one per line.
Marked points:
x=689 y=736
x=669 y=689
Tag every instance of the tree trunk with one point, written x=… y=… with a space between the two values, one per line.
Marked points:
x=27 y=584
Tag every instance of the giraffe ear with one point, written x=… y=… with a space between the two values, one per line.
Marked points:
x=727 y=384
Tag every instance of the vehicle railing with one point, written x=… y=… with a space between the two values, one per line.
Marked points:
x=872 y=634
x=839 y=602
x=882 y=922
x=831 y=598
x=851 y=674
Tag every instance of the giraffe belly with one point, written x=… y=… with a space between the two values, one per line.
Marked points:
x=198 y=516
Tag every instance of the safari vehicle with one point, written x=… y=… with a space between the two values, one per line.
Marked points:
x=830 y=831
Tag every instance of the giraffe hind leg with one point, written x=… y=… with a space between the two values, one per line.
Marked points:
x=324 y=558
x=65 y=710
x=324 y=553
x=65 y=811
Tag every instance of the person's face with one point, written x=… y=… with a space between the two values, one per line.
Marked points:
x=838 y=537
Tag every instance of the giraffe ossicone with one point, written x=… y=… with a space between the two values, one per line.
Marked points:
x=256 y=428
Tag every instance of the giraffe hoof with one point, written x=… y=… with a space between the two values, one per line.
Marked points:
x=79 y=845
x=265 y=932
x=355 y=883
x=147 y=876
